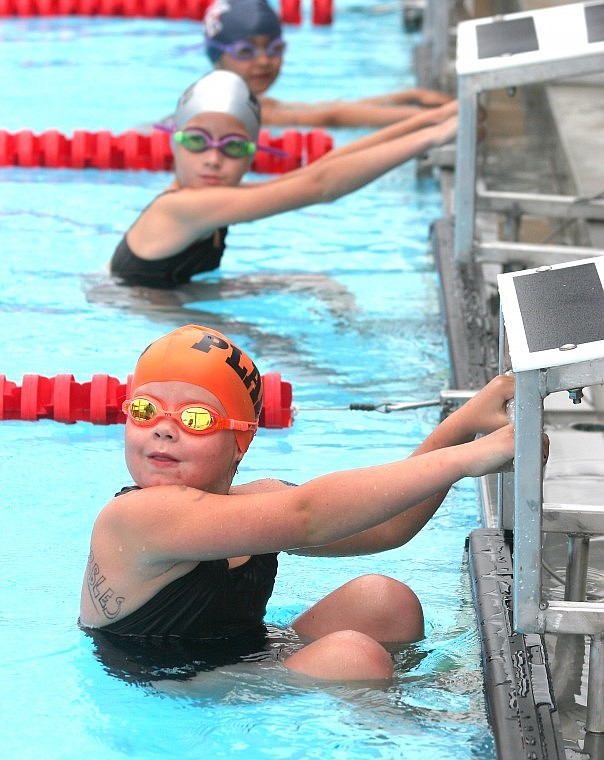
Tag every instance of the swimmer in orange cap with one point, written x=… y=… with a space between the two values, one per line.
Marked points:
x=182 y=564
x=182 y=232
x=245 y=36
x=201 y=356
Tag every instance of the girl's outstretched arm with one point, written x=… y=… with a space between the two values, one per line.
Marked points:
x=483 y=413
x=419 y=95
x=425 y=118
x=167 y=524
x=375 y=111
x=337 y=113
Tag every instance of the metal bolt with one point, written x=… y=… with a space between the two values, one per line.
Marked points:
x=575 y=395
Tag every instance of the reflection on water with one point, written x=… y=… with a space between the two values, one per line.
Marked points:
x=338 y=301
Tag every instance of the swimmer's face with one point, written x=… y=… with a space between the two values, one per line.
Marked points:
x=165 y=454
x=259 y=72
x=211 y=167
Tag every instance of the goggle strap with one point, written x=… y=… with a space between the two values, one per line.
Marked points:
x=244 y=426
x=167 y=127
x=273 y=151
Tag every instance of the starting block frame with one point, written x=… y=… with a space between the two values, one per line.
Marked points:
x=553 y=320
x=553 y=323
x=505 y=52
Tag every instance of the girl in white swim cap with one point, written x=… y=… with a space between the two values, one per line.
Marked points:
x=216 y=123
x=222 y=92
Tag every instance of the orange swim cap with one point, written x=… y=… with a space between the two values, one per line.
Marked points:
x=205 y=357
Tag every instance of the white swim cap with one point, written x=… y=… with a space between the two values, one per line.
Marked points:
x=221 y=92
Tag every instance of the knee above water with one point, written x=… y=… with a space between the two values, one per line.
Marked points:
x=343 y=655
x=392 y=610
x=382 y=590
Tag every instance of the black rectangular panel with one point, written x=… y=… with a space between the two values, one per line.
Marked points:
x=516 y=35
x=560 y=306
x=594 y=21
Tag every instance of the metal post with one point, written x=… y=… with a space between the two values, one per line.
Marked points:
x=465 y=170
x=439 y=24
x=576 y=568
x=595 y=686
x=505 y=480
x=528 y=500
x=511 y=227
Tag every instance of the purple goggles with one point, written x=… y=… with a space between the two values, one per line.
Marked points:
x=196 y=140
x=245 y=50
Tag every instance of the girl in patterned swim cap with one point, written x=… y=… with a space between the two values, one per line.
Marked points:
x=245 y=36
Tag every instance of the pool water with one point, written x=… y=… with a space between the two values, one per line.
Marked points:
x=340 y=299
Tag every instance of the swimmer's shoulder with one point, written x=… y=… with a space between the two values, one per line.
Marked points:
x=263 y=485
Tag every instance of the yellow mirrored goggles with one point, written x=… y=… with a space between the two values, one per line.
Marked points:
x=198 y=419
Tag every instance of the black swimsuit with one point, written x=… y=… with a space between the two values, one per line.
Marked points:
x=200 y=256
x=212 y=615
x=211 y=601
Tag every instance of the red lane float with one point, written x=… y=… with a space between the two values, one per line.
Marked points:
x=322 y=12
x=99 y=401
x=289 y=10
x=132 y=150
x=172 y=9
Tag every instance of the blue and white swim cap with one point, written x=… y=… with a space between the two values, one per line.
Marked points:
x=228 y=21
x=220 y=92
